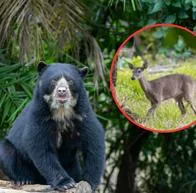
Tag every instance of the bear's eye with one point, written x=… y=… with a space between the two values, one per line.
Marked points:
x=70 y=82
x=53 y=82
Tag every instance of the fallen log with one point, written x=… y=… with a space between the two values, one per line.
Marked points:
x=8 y=187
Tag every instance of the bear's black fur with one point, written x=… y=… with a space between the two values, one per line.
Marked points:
x=32 y=153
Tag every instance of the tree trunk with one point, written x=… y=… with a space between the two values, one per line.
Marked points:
x=8 y=187
x=126 y=176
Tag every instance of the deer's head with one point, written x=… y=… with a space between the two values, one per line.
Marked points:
x=137 y=71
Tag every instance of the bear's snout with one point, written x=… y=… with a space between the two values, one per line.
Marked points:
x=61 y=91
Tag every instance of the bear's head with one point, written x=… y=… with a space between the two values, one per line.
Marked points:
x=59 y=85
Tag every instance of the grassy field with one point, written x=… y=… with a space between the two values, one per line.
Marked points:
x=167 y=115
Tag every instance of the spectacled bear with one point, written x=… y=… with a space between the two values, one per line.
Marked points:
x=57 y=139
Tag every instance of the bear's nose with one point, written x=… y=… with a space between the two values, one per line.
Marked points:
x=61 y=91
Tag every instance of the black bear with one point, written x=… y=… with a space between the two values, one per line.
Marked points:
x=57 y=139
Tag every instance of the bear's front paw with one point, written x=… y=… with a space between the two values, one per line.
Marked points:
x=22 y=182
x=65 y=186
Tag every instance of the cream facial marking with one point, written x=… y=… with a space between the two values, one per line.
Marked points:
x=61 y=102
x=61 y=95
x=62 y=91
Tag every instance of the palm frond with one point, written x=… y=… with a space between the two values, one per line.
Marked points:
x=15 y=93
x=30 y=25
x=134 y=4
x=95 y=58
x=69 y=21
x=25 y=21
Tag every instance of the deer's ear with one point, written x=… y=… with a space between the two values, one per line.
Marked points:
x=145 y=65
x=131 y=66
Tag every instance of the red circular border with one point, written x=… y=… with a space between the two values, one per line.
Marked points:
x=112 y=89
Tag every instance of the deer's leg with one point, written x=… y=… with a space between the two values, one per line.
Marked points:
x=181 y=107
x=152 y=109
x=193 y=107
x=188 y=99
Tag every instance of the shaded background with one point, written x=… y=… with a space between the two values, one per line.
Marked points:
x=88 y=33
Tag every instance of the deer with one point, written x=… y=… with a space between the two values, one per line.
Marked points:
x=174 y=86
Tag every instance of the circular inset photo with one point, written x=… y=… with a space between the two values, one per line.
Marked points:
x=153 y=78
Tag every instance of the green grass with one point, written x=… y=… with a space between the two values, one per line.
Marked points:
x=167 y=115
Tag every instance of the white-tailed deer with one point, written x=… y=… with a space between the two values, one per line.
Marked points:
x=176 y=86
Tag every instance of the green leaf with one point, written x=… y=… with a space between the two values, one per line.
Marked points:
x=14 y=114
x=194 y=15
x=188 y=1
x=168 y=2
x=159 y=33
x=147 y=1
x=151 y=21
x=170 y=19
x=9 y=68
x=176 y=4
x=157 y=7
x=180 y=45
x=183 y=15
x=2 y=100
x=194 y=9
x=189 y=39
x=187 y=7
x=6 y=110
x=194 y=3
x=27 y=90
x=170 y=38
x=187 y=54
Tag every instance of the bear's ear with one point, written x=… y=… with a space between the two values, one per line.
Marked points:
x=41 y=66
x=83 y=71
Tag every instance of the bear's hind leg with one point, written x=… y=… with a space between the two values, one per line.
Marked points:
x=13 y=166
